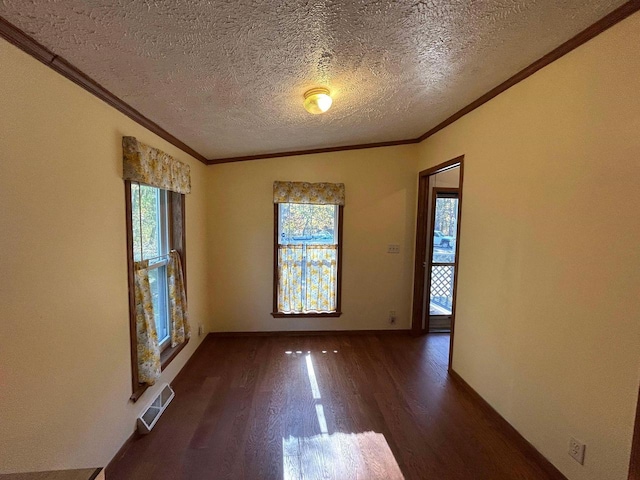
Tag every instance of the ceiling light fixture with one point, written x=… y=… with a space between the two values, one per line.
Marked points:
x=317 y=100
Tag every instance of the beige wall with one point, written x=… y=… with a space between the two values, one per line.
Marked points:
x=381 y=186
x=65 y=375
x=548 y=322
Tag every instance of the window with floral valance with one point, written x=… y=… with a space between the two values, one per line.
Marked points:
x=155 y=188
x=307 y=248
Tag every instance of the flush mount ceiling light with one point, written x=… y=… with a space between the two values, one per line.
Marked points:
x=317 y=100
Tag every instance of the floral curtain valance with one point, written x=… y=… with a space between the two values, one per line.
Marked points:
x=313 y=193
x=148 y=165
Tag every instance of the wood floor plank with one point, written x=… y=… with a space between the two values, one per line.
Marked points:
x=324 y=407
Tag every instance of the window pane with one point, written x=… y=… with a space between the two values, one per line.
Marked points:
x=146 y=222
x=441 y=295
x=308 y=224
x=158 y=283
x=446 y=225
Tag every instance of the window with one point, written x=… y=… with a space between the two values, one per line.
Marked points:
x=307 y=259
x=155 y=226
x=150 y=224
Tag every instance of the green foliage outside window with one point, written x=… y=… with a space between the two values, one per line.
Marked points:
x=145 y=242
x=303 y=223
x=446 y=220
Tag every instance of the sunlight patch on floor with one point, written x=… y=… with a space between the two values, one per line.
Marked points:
x=339 y=456
x=313 y=381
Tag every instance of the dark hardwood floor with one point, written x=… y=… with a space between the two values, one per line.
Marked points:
x=323 y=407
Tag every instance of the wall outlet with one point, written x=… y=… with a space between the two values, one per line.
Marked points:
x=392 y=317
x=576 y=450
x=200 y=329
x=393 y=248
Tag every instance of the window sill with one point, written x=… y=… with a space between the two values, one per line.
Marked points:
x=166 y=357
x=303 y=315
x=169 y=353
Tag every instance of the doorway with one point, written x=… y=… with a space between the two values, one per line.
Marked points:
x=437 y=249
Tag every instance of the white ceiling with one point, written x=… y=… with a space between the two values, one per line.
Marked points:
x=227 y=77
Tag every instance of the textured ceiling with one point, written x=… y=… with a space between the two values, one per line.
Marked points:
x=227 y=77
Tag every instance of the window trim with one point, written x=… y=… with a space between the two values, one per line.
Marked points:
x=275 y=313
x=177 y=241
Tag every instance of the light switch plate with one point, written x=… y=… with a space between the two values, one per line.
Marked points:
x=393 y=248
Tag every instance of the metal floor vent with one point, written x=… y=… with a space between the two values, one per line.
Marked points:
x=152 y=413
